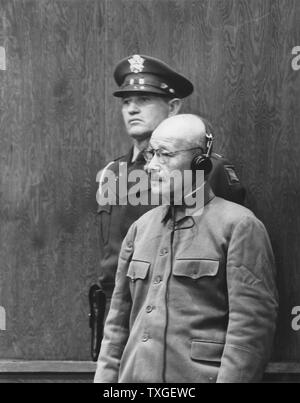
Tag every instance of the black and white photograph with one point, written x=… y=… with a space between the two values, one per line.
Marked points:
x=149 y=194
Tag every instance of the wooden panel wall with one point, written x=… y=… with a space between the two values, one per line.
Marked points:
x=51 y=121
x=59 y=124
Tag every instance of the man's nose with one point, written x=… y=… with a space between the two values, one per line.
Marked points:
x=153 y=165
x=133 y=108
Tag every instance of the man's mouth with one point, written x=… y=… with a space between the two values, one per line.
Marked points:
x=134 y=121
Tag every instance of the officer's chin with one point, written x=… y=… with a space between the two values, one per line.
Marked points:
x=139 y=133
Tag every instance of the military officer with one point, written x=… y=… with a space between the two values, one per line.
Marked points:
x=150 y=91
x=195 y=298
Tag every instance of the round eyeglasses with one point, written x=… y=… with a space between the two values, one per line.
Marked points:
x=164 y=156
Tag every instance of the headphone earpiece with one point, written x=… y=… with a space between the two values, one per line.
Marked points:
x=202 y=162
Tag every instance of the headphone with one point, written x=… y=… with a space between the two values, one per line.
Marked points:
x=202 y=162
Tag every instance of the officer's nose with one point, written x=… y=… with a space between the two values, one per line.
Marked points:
x=133 y=108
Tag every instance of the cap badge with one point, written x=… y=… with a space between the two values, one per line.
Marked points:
x=136 y=64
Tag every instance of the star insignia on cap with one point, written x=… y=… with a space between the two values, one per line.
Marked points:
x=136 y=64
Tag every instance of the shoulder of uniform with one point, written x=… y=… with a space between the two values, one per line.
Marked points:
x=216 y=156
x=121 y=158
x=115 y=162
x=222 y=164
x=219 y=158
x=112 y=164
x=232 y=211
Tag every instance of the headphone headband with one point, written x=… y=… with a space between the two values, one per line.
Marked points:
x=209 y=145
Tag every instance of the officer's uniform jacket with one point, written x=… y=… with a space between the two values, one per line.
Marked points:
x=115 y=220
x=195 y=298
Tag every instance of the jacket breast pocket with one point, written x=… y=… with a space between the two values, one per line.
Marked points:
x=196 y=269
x=105 y=220
x=138 y=270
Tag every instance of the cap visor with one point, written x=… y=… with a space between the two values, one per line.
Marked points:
x=143 y=89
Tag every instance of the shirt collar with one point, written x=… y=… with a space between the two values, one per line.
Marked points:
x=135 y=154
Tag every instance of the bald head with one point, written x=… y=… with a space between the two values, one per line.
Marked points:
x=174 y=144
x=181 y=131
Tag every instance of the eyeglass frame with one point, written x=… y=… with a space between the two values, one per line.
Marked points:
x=210 y=140
x=158 y=153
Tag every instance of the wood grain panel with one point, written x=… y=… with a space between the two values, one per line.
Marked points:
x=52 y=117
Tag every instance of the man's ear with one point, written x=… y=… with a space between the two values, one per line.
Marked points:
x=175 y=105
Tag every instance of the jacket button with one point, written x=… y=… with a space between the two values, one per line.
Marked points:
x=130 y=245
x=149 y=309
x=163 y=252
x=145 y=338
x=157 y=280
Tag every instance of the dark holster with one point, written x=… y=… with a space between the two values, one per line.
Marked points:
x=97 y=300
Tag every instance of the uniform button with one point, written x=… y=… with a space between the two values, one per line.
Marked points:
x=145 y=338
x=149 y=309
x=130 y=245
x=163 y=251
x=157 y=280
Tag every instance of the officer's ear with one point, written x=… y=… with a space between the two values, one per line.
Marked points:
x=175 y=105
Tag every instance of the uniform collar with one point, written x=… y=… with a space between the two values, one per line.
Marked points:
x=128 y=157
x=135 y=157
x=182 y=212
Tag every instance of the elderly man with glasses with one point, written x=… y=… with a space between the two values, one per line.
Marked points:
x=195 y=298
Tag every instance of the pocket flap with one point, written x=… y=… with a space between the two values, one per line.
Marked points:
x=206 y=351
x=196 y=268
x=138 y=270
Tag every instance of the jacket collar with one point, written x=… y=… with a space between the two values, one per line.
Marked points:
x=184 y=211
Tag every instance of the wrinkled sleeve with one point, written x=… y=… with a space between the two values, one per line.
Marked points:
x=253 y=303
x=116 y=330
